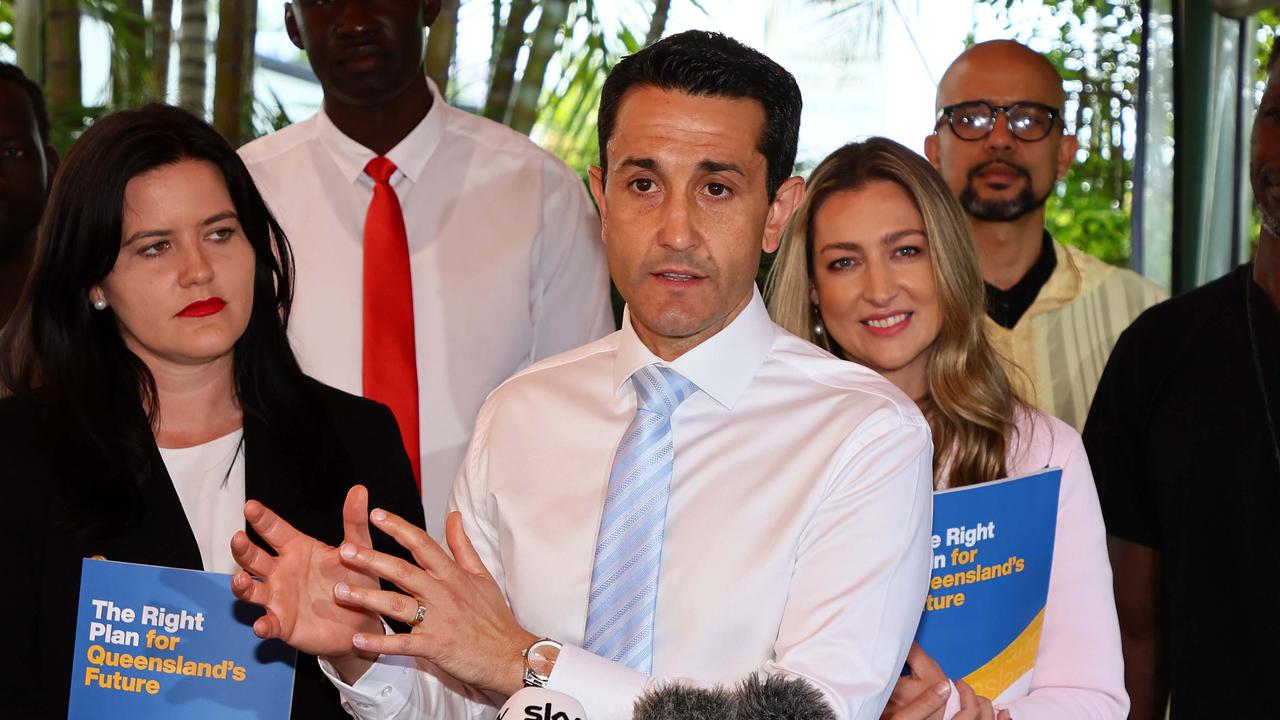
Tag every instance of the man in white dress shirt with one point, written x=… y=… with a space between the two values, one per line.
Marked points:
x=504 y=244
x=792 y=490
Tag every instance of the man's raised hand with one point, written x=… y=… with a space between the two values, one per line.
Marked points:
x=296 y=585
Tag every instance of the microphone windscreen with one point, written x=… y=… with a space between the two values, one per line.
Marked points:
x=682 y=702
x=535 y=703
x=776 y=697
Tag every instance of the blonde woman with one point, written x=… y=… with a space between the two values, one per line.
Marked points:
x=877 y=267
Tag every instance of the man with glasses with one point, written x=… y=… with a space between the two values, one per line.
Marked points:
x=1000 y=143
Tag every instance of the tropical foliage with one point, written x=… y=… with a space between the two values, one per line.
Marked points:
x=547 y=61
x=46 y=40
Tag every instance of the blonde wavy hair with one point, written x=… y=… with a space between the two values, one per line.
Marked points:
x=970 y=403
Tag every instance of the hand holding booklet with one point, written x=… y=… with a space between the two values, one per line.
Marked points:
x=992 y=555
x=155 y=642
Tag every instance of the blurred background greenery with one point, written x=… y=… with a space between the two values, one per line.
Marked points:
x=547 y=60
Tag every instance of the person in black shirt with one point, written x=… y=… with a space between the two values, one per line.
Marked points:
x=1182 y=438
x=1006 y=306
x=27 y=164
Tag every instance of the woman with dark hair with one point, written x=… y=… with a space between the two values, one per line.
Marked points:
x=154 y=392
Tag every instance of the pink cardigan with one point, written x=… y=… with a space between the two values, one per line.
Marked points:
x=1079 y=671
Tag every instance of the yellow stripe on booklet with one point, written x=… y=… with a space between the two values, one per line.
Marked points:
x=992 y=554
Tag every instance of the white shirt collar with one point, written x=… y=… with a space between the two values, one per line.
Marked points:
x=410 y=155
x=722 y=366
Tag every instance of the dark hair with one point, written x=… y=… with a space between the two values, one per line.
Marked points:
x=94 y=390
x=12 y=73
x=1272 y=56
x=709 y=64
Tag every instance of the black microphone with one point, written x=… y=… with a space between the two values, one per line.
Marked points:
x=756 y=698
x=775 y=697
x=683 y=702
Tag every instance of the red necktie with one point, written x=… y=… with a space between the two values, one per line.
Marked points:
x=390 y=361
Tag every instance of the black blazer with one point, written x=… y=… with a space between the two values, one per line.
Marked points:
x=40 y=577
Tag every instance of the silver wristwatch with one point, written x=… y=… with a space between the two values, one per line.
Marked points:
x=539 y=661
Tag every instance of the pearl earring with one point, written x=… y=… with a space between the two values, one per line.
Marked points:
x=820 y=337
x=818 y=329
x=99 y=304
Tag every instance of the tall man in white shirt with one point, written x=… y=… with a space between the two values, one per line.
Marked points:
x=503 y=266
x=699 y=495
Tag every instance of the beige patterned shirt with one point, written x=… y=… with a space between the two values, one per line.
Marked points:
x=1056 y=352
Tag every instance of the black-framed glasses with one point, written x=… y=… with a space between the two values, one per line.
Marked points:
x=975 y=119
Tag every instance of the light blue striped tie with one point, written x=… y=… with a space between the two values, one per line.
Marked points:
x=624 y=579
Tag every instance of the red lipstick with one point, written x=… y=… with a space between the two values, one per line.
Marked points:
x=203 y=308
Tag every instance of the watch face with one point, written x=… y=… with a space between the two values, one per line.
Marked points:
x=542 y=657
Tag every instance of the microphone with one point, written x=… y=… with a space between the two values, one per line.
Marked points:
x=776 y=697
x=757 y=698
x=535 y=703
x=684 y=702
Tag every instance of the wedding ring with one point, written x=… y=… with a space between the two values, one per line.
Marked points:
x=419 y=616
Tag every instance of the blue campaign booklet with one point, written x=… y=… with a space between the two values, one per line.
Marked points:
x=992 y=553
x=154 y=642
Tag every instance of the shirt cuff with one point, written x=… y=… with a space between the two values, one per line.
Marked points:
x=606 y=689
x=953 y=702
x=382 y=692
